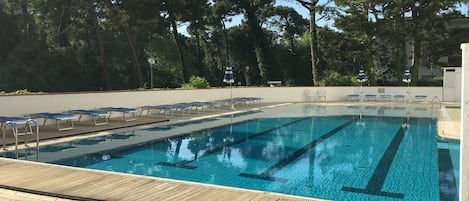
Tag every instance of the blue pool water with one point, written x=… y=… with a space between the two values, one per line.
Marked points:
x=335 y=157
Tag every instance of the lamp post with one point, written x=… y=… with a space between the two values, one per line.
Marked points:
x=151 y=61
x=247 y=75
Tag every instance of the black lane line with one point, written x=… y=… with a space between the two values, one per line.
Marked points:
x=447 y=179
x=376 y=181
x=183 y=163
x=267 y=175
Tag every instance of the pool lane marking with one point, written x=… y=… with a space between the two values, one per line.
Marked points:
x=268 y=174
x=376 y=182
x=183 y=163
x=447 y=180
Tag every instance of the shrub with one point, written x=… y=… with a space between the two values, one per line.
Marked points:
x=436 y=81
x=333 y=78
x=196 y=82
x=20 y=91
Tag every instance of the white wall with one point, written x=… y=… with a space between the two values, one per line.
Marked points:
x=464 y=144
x=452 y=84
x=20 y=105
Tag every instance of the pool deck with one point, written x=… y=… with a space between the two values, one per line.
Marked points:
x=24 y=180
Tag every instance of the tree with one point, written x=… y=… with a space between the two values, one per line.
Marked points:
x=171 y=10
x=311 y=6
x=291 y=25
x=197 y=12
x=119 y=17
x=425 y=16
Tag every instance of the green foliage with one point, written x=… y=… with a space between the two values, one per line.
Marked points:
x=21 y=91
x=332 y=78
x=196 y=82
x=436 y=81
x=104 y=45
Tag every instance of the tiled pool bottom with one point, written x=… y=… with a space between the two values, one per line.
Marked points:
x=339 y=158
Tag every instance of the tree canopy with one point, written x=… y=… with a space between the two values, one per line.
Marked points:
x=53 y=45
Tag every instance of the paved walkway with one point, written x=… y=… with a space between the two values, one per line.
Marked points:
x=449 y=123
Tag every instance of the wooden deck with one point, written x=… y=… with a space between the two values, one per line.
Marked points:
x=55 y=181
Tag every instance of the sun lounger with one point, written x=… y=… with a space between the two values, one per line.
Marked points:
x=58 y=118
x=125 y=112
x=182 y=107
x=201 y=106
x=385 y=97
x=370 y=97
x=95 y=115
x=165 y=109
x=353 y=97
x=420 y=98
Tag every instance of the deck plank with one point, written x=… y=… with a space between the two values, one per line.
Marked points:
x=92 y=184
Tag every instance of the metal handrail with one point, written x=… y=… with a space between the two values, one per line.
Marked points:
x=439 y=100
x=28 y=130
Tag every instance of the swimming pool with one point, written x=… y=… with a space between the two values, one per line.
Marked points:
x=333 y=152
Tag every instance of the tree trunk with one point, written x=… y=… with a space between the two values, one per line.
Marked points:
x=199 y=53
x=416 y=54
x=135 y=62
x=30 y=26
x=261 y=46
x=416 y=45
x=185 y=74
x=313 y=45
x=294 y=72
x=101 y=58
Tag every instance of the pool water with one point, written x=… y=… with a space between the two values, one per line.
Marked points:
x=341 y=157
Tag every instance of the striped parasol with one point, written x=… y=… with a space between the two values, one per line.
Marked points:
x=407 y=77
x=361 y=76
x=229 y=79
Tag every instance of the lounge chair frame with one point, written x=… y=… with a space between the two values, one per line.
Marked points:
x=129 y=114
x=58 y=119
x=98 y=117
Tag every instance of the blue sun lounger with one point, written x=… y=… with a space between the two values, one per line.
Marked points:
x=125 y=112
x=159 y=108
x=58 y=118
x=95 y=115
x=13 y=123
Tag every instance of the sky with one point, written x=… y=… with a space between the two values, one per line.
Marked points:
x=236 y=20
x=305 y=13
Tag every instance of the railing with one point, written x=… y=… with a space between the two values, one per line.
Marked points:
x=28 y=124
x=437 y=98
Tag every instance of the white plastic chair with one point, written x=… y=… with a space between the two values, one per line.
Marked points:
x=322 y=94
x=310 y=95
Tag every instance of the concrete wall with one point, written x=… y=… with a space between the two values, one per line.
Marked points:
x=464 y=156
x=452 y=84
x=20 y=105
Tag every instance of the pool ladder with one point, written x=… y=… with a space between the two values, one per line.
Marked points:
x=28 y=130
x=436 y=98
